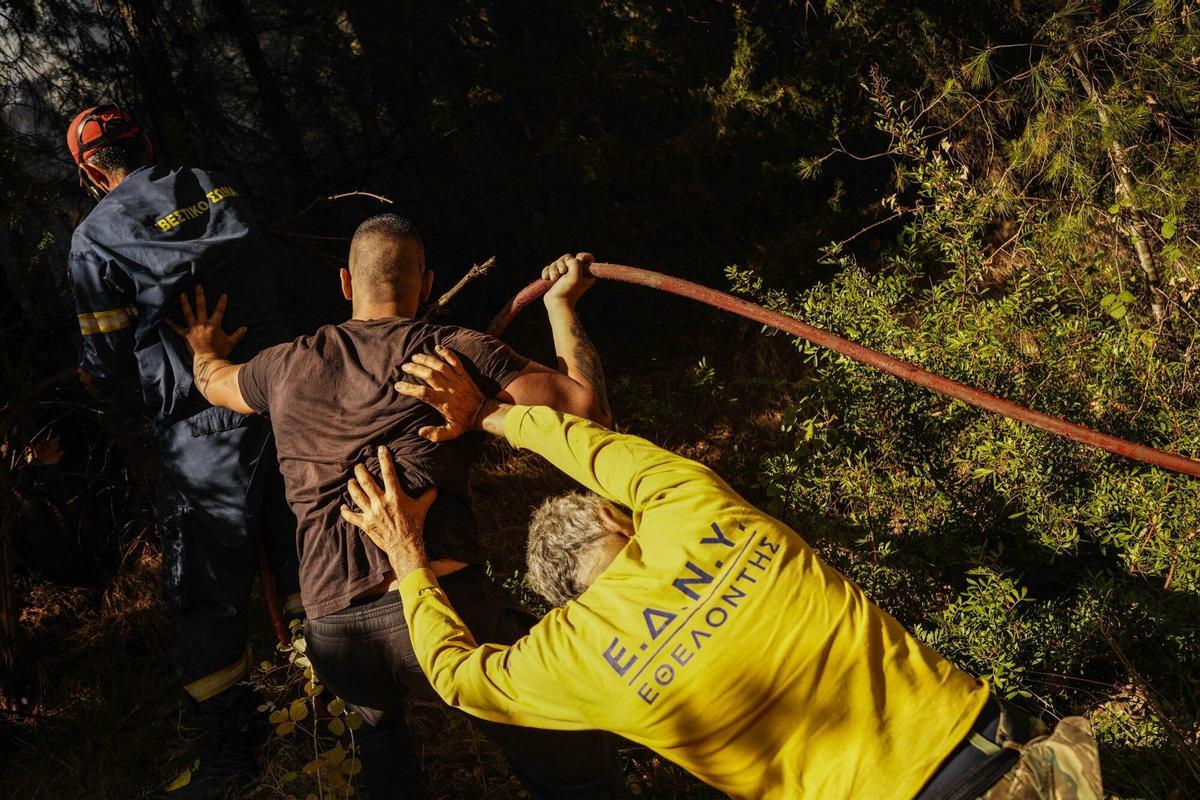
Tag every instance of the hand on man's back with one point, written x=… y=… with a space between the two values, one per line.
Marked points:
x=448 y=387
x=202 y=332
x=392 y=520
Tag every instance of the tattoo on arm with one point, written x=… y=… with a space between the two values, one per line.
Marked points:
x=204 y=370
x=208 y=368
x=216 y=378
x=587 y=362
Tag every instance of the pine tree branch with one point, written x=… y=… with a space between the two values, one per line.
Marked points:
x=1138 y=227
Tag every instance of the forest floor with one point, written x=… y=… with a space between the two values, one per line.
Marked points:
x=105 y=725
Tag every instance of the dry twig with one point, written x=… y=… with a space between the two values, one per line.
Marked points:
x=476 y=271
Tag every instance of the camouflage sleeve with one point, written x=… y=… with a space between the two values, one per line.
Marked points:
x=1062 y=766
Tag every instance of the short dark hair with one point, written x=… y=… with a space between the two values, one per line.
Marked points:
x=393 y=225
x=378 y=266
x=123 y=155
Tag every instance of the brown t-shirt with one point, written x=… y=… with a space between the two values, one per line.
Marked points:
x=331 y=400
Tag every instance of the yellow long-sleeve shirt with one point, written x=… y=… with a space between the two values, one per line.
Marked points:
x=717 y=638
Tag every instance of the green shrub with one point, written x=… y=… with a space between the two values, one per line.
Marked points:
x=1067 y=577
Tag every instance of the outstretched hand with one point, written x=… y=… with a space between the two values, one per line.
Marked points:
x=448 y=387
x=203 y=333
x=392 y=520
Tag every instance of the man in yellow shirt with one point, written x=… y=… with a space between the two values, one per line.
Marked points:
x=706 y=630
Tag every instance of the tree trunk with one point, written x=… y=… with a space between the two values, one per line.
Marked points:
x=356 y=77
x=11 y=640
x=394 y=82
x=153 y=69
x=276 y=118
x=1138 y=227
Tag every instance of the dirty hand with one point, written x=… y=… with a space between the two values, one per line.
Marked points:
x=570 y=279
x=203 y=333
x=394 y=521
x=448 y=388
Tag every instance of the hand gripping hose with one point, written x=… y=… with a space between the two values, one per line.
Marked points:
x=865 y=355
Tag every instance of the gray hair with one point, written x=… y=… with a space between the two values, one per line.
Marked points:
x=564 y=531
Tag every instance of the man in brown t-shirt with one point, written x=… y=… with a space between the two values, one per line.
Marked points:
x=330 y=400
x=332 y=404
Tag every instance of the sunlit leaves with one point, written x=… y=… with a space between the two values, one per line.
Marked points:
x=183 y=778
x=303 y=724
x=1117 y=305
x=335 y=756
x=1168 y=226
x=1012 y=551
x=298 y=710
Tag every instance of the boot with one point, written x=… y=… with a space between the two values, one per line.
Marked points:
x=390 y=767
x=230 y=732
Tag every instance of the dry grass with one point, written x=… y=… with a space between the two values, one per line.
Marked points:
x=103 y=692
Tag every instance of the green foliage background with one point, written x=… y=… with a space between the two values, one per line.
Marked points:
x=1066 y=577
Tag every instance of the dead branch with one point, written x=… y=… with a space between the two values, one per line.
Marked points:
x=378 y=197
x=328 y=198
x=476 y=271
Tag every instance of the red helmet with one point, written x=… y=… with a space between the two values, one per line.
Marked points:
x=96 y=127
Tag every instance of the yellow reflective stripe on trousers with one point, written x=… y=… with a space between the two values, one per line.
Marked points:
x=213 y=684
x=114 y=319
x=292 y=604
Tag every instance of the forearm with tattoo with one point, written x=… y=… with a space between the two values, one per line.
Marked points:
x=207 y=368
x=577 y=357
x=587 y=365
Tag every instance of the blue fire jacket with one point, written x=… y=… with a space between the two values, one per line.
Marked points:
x=157 y=234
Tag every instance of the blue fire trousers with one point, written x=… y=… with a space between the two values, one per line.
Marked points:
x=220 y=489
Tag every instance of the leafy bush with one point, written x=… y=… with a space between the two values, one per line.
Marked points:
x=1069 y=578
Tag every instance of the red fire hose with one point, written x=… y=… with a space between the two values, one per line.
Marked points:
x=266 y=583
x=865 y=355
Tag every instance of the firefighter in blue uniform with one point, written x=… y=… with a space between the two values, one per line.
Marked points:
x=154 y=233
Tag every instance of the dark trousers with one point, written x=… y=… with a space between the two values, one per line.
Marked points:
x=221 y=490
x=980 y=760
x=365 y=656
